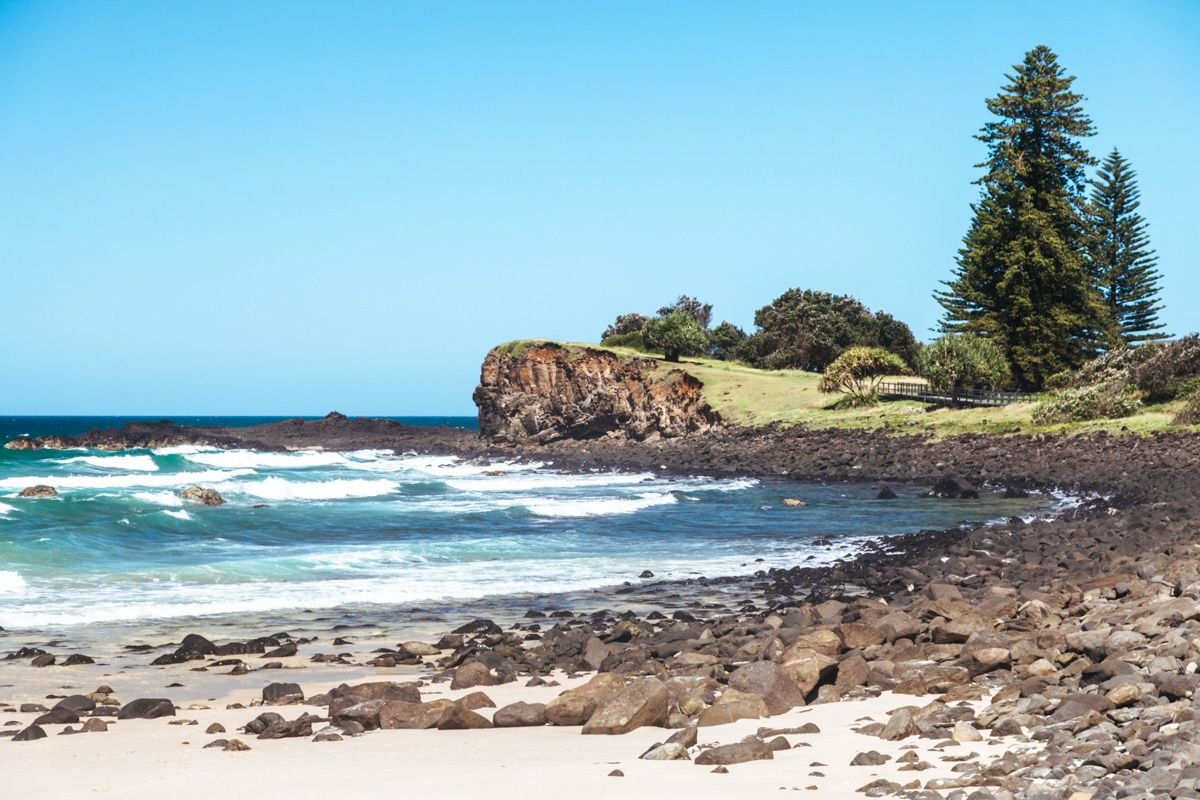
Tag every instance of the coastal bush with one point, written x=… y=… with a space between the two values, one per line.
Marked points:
x=727 y=341
x=1115 y=365
x=805 y=329
x=857 y=372
x=625 y=323
x=676 y=334
x=633 y=340
x=963 y=361
x=686 y=304
x=1190 y=413
x=1169 y=370
x=1102 y=401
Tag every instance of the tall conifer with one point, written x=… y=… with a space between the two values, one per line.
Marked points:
x=1124 y=267
x=1022 y=275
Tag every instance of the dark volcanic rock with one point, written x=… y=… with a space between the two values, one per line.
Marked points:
x=147 y=708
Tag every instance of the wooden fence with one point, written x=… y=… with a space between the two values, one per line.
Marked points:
x=961 y=397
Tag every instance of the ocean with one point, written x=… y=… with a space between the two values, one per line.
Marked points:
x=377 y=531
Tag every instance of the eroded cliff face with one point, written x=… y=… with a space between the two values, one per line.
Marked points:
x=544 y=392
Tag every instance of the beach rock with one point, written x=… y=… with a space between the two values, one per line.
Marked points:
x=457 y=717
x=44 y=660
x=885 y=493
x=32 y=708
x=29 y=734
x=77 y=702
x=739 y=753
x=732 y=706
x=665 y=752
x=576 y=706
x=297 y=728
x=284 y=651
x=641 y=703
x=771 y=682
x=871 y=758
x=235 y=746
x=476 y=700
x=216 y=727
x=471 y=674
x=792 y=502
x=419 y=649
x=953 y=488
x=94 y=725
x=400 y=715
x=520 y=715
x=282 y=694
x=199 y=494
x=262 y=722
x=346 y=695
x=40 y=490
x=78 y=659
x=327 y=736
x=807 y=668
x=147 y=708
x=57 y=716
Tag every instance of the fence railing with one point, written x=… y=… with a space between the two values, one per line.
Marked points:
x=960 y=397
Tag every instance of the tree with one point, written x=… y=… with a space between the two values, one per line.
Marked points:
x=963 y=361
x=624 y=324
x=805 y=329
x=857 y=372
x=1021 y=275
x=726 y=341
x=701 y=312
x=1123 y=265
x=896 y=337
x=675 y=334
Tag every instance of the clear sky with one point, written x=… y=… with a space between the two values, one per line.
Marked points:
x=290 y=207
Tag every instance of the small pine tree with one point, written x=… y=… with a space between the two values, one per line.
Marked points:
x=1022 y=276
x=1123 y=265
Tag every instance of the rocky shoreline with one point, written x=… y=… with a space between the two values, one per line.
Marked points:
x=1072 y=644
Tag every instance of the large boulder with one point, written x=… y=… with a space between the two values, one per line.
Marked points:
x=472 y=674
x=457 y=717
x=807 y=668
x=576 y=706
x=399 y=715
x=520 y=715
x=641 y=703
x=147 y=708
x=40 y=490
x=753 y=750
x=282 y=694
x=732 y=706
x=771 y=682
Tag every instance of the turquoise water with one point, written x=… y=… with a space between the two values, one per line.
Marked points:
x=315 y=530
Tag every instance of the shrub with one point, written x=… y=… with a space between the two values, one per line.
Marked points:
x=1164 y=374
x=1189 y=414
x=963 y=361
x=676 y=334
x=1116 y=365
x=632 y=339
x=1102 y=401
x=727 y=341
x=857 y=373
x=625 y=323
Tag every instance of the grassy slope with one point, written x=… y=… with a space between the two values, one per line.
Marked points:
x=747 y=396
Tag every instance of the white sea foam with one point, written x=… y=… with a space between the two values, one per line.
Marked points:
x=180 y=514
x=61 y=482
x=275 y=488
x=6 y=509
x=183 y=450
x=253 y=459
x=159 y=498
x=11 y=582
x=540 y=481
x=139 y=463
x=596 y=507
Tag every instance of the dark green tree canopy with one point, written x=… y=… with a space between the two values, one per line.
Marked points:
x=686 y=304
x=1124 y=267
x=806 y=329
x=727 y=341
x=625 y=324
x=675 y=334
x=1022 y=276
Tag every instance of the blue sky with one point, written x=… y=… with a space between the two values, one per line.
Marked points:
x=290 y=207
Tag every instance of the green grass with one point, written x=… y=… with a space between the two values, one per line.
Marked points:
x=746 y=396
